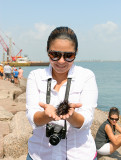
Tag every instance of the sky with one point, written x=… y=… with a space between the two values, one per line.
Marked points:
x=28 y=23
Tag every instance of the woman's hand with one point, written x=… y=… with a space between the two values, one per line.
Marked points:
x=71 y=110
x=50 y=111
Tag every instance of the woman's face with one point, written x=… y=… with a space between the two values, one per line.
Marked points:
x=113 y=119
x=63 y=45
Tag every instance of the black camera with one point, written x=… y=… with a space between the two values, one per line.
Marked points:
x=55 y=133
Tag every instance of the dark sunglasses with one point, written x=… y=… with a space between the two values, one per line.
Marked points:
x=116 y=119
x=56 y=55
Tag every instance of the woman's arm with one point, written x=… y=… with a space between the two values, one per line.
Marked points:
x=48 y=115
x=37 y=113
x=118 y=127
x=115 y=139
x=76 y=120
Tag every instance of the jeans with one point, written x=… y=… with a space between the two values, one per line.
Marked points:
x=28 y=157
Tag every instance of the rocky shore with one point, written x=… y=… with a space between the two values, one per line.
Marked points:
x=15 y=129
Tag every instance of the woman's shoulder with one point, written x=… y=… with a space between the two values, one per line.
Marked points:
x=81 y=71
x=104 y=124
x=40 y=72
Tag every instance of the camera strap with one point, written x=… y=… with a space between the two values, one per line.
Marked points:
x=48 y=93
x=68 y=88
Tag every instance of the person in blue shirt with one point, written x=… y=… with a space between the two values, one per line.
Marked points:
x=15 y=74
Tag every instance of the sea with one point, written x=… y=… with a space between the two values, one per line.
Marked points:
x=108 y=78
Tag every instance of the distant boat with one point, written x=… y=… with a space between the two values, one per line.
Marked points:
x=22 y=60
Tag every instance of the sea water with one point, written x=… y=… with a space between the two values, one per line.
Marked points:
x=108 y=77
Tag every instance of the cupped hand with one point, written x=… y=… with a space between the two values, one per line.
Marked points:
x=71 y=110
x=50 y=111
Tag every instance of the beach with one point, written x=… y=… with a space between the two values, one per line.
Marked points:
x=15 y=128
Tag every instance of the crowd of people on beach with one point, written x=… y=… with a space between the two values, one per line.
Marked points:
x=11 y=74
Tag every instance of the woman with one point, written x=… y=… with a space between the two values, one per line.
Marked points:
x=62 y=47
x=106 y=140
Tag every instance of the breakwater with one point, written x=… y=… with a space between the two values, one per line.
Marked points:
x=30 y=63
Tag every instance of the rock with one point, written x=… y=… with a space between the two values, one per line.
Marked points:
x=22 y=84
x=4 y=128
x=1 y=146
x=20 y=123
x=4 y=114
x=7 y=89
x=21 y=98
x=23 y=157
x=13 y=106
x=16 y=143
x=16 y=94
x=5 y=94
x=8 y=158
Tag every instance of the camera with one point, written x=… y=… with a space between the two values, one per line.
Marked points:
x=55 y=133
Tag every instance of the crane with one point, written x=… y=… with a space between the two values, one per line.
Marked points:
x=6 y=49
x=4 y=45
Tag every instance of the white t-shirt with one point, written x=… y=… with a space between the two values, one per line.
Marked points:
x=80 y=144
x=7 y=69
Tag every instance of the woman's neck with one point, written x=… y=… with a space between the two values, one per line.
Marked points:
x=59 y=77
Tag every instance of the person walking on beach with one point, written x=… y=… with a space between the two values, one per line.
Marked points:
x=20 y=73
x=1 y=71
x=60 y=102
x=7 y=72
x=15 y=74
x=13 y=69
x=106 y=139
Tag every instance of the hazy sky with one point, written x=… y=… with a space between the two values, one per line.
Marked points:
x=97 y=24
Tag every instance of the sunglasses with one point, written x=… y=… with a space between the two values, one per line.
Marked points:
x=56 y=55
x=116 y=119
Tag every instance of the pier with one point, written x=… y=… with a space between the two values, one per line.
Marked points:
x=29 y=63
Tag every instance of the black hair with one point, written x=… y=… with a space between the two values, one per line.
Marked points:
x=113 y=111
x=62 y=33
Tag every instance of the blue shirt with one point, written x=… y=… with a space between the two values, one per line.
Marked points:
x=15 y=74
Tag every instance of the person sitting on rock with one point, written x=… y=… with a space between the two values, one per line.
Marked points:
x=106 y=139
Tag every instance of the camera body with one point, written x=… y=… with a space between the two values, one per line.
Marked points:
x=55 y=133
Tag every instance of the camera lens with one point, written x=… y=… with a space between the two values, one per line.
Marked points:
x=54 y=140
